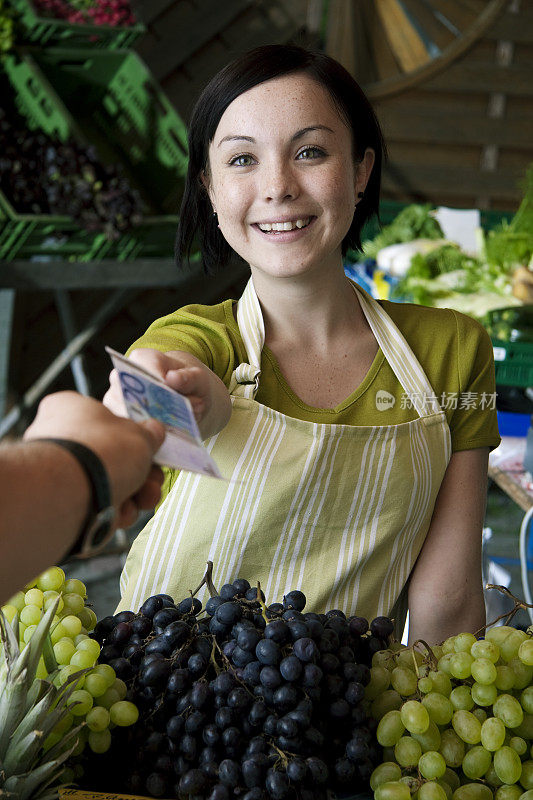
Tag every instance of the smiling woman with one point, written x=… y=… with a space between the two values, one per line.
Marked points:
x=367 y=506
x=347 y=110
x=273 y=181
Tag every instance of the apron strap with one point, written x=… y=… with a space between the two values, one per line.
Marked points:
x=245 y=379
x=398 y=353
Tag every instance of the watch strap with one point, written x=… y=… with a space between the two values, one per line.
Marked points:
x=97 y=527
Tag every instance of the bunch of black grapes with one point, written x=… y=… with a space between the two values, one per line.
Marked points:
x=41 y=175
x=241 y=699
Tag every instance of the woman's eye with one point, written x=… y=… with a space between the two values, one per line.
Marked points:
x=310 y=152
x=241 y=161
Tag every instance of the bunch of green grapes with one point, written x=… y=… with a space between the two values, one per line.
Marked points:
x=457 y=723
x=98 y=699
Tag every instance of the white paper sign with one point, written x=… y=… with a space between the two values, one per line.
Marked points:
x=147 y=396
x=461 y=226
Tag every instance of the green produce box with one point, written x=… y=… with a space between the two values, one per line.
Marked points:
x=125 y=113
x=50 y=31
x=513 y=362
x=25 y=236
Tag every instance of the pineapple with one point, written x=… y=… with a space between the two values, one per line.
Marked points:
x=29 y=709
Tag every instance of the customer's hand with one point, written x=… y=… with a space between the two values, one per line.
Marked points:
x=126 y=448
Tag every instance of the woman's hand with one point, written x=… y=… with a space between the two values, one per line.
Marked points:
x=445 y=588
x=184 y=372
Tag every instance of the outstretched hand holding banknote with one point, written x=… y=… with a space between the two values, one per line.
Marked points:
x=141 y=394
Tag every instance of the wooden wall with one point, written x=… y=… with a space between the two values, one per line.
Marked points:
x=188 y=41
x=464 y=137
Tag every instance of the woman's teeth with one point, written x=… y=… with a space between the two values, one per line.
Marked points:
x=267 y=227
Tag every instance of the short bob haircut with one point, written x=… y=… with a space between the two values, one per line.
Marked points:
x=197 y=223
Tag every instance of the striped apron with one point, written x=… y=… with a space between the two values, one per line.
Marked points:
x=338 y=511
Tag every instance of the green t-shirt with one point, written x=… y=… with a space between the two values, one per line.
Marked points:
x=454 y=351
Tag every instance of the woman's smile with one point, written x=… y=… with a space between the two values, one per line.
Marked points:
x=281 y=230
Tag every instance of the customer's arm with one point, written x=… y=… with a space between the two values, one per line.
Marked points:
x=45 y=494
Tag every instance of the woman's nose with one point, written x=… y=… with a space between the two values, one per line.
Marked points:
x=279 y=182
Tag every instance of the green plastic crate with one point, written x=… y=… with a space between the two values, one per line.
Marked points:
x=153 y=238
x=26 y=236
x=513 y=362
x=124 y=112
x=36 y=99
x=49 y=31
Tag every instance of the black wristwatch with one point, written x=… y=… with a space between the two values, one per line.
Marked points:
x=97 y=528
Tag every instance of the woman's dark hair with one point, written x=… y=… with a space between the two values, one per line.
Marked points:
x=249 y=70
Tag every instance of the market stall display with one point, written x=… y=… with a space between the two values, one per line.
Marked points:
x=430 y=270
x=40 y=174
x=51 y=687
x=456 y=719
x=241 y=698
x=126 y=123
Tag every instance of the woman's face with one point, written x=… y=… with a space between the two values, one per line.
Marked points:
x=282 y=177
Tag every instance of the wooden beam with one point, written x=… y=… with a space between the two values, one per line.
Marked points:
x=151 y=9
x=245 y=33
x=191 y=32
x=510 y=485
x=457 y=12
x=430 y=182
x=403 y=38
x=493 y=9
x=365 y=62
x=341 y=35
x=517 y=28
x=93 y=274
x=430 y=22
x=482 y=75
x=441 y=127
x=385 y=63
x=98 y=274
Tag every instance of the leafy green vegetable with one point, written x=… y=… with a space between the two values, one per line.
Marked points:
x=413 y=222
x=511 y=244
x=448 y=271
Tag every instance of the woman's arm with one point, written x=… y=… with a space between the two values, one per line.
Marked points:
x=445 y=589
x=184 y=372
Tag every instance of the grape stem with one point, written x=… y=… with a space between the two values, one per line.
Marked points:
x=262 y=603
x=518 y=604
x=432 y=656
x=213 y=657
x=207 y=580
